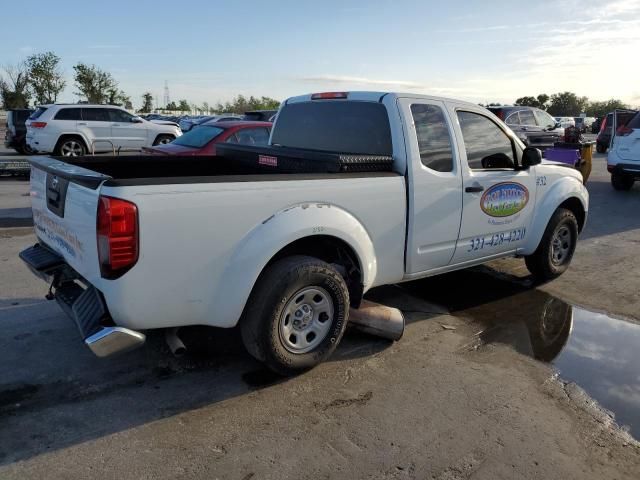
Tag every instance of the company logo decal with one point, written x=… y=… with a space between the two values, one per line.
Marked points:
x=504 y=199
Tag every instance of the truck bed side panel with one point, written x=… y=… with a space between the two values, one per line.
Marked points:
x=190 y=232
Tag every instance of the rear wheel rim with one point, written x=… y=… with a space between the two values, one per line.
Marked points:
x=164 y=140
x=306 y=320
x=561 y=245
x=71 y=148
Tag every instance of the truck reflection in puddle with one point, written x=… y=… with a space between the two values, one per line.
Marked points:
x=597 y=352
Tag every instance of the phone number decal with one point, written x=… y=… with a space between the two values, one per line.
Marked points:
x=480 y=243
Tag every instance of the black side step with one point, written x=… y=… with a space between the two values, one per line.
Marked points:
x=41 y=259
x=84 y=306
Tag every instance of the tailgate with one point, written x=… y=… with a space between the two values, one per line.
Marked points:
x=64 y=200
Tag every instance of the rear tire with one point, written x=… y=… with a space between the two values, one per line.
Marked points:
x=296 y=314
x=70 y=147
x=601 y=148
x=163 y=139
x=622 y=182
x=556 y=248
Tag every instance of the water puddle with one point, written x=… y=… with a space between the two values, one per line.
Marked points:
x=596 y=351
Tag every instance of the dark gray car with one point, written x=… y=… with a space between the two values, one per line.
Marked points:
x=535 y=127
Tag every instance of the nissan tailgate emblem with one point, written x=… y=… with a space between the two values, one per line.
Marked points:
x=54 y=183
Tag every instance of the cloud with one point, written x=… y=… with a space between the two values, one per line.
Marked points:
x=324 y=79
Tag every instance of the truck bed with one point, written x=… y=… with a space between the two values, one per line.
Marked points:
x=233 y=163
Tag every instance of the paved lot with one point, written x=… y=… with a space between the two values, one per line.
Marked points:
x=445 y=402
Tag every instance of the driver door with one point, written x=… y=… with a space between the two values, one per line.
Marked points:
x=126 y=133
x=497 y=198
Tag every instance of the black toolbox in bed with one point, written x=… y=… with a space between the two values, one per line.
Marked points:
x=293 y=160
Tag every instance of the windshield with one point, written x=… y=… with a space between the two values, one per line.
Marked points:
x=198 y=136
x=39 y=111
x=335 y=126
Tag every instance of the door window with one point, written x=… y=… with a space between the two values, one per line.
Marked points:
x=121 y=116
x=513 y=119
x=434 y=140
x=95 y=114
x=527 y=118
x=487 y=146
x=68 y=114
x=544 y=119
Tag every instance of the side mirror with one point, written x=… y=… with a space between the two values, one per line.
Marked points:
x=530 y=157
x=136 y=120
x=558 y=125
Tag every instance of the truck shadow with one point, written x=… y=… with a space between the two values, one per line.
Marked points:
x=55 y=394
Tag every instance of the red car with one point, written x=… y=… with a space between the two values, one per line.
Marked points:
x=202 y=139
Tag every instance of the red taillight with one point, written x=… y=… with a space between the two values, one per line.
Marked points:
x=328 y=95
x=117 y=233
x=38 y=124
x=623 y=131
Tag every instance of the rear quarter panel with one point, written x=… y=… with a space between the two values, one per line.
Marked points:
x=202 y=246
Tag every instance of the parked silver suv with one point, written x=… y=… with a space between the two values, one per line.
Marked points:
x=76 y=129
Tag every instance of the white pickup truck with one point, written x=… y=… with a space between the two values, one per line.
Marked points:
x=130 y=245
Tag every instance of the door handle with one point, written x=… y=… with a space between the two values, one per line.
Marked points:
x=81 y=123
x=474 y=189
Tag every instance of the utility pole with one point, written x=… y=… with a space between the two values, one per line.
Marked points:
x=166 y=94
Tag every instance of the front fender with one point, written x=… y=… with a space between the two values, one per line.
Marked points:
x=547 y=202
x=255 y=250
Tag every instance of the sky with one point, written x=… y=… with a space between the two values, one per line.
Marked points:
x=210 y=51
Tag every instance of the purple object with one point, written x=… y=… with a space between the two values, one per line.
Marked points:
x=570 y=157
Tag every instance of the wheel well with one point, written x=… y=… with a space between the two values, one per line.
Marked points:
x=334 y=251
x=575 y=206
x=155 y=141
x=70 y=135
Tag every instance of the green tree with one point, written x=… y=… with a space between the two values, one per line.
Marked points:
x=171 y=106
x=539 y=102
x=527 y=101
x=147 y=102
x=92 y=83
x=14 y=86
x=567 y=104
x=183 y=106
x=543 y=100
x=241 y=104
x=45 y=77
x=600 y=109
x=118 y=97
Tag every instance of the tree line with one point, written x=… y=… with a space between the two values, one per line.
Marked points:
x=39 y=80
x=568 y=104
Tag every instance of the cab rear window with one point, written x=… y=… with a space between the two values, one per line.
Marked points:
x=334 y=126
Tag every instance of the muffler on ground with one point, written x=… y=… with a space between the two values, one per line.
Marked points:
x=379 y=320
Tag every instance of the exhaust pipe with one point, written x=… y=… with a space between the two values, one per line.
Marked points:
x=173 y=341
x=379 y=320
